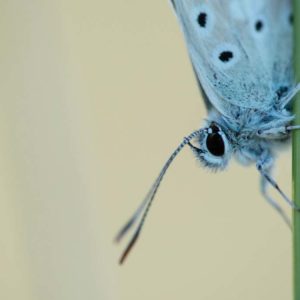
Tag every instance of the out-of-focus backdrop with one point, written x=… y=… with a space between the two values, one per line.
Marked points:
x=94 y=97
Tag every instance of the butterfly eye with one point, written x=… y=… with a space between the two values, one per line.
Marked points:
x=212 y=147
x=215 y=144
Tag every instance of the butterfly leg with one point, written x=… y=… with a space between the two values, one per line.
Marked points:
x=276 y=132
x=263 y=167
x=293 y=127
x=272 y=202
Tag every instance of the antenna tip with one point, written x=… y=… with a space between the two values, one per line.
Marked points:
x=129 y=247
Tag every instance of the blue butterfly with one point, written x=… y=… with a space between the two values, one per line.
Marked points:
x=241 y=52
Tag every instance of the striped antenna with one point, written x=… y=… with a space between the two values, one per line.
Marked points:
x=144 y=207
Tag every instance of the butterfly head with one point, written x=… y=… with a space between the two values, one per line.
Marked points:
x=212 y=147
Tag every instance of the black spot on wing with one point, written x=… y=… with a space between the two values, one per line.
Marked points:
x=226 y=56
x=291 y=19
x=259 y=25
x=202 y=19
x=282 y=91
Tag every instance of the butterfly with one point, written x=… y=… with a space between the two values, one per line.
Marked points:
x=241 y=53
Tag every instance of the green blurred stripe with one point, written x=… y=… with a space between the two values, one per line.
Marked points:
x=296 y=158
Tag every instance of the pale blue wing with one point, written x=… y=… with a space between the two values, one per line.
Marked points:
x=240 y=50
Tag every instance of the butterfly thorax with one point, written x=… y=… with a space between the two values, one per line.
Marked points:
x=250 y=134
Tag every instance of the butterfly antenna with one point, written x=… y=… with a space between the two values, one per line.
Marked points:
x=132 y=220
x=146 y=204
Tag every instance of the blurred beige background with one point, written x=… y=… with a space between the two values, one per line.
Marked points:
x=94 y=97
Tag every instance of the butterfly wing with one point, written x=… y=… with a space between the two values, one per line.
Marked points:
x=204 y=96
x=240 y=50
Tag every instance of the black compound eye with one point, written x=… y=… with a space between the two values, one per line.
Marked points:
x=215 y=144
